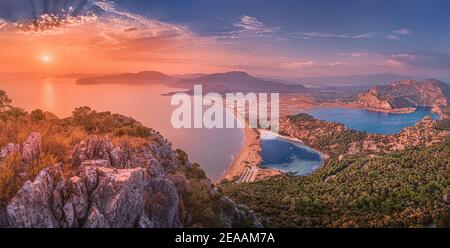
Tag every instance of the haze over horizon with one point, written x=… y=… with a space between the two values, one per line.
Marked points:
x=292 y=40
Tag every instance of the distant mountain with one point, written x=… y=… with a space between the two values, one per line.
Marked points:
x=189 y=75
x=407 y=93
x=77 y=75
x=237 y=81
x=145 y=77
x=355 y=80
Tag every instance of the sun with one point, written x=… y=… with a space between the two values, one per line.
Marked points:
x=46 y=58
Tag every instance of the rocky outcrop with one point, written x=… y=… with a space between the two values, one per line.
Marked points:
x=30 y=149
x=32 y=206
x=124 y=157
x=406 y=94
x=118 y=198
x=8 y=149
x=371 y=99
x=113 y=187
x=235 y=215
x=110 y=187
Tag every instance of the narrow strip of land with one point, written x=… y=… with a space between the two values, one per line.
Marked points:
x=247 y=156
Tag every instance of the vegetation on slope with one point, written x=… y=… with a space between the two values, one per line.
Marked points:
x=331 y=138
x=200 y=204
x=402 y=189
x=59 y=136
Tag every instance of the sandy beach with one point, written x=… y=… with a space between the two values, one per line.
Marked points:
x=248 y=155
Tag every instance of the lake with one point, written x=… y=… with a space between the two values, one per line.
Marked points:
x=213 y=149
x=371 y=121
x=288 y=156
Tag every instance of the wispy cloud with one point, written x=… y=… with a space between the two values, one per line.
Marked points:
x=399 y=34
x=299 y=64
x=402 y=32
x=249 y=23
x=112 y=25
x=392 y=37
x=357 y=54
x=407 y=59
x=249 y=27
x=421 y=59
x=322 y=35
x=310 y=35
x=2 y=24
x=364 y=36
x=296 y=65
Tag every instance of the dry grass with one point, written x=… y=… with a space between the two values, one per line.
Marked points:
x=58 y=136
x=57 y=139
x=14 y=173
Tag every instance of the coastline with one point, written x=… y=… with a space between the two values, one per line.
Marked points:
x=248 y=155
x=357 y=106
x=294 y=140
x=291 y=104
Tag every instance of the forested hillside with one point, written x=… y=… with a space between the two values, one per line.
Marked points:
x=410 y=188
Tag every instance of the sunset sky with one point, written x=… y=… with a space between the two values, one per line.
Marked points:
x=270 y=38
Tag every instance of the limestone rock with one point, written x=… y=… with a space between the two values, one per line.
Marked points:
x=96 y=219
x=78 y=197
x=31 y=148
x=8 y=149
x=120 y=195
x=161 y=202
x=118 y=187
x=234 y=215
x=31 y=207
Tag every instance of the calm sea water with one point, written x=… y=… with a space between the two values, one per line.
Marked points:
x=370 y=121
x=289 y=157
x=213 y=149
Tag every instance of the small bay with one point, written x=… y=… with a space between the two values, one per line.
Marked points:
x=288 y=156
x=371 y=121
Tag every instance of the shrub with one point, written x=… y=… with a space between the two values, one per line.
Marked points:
x=5 y=101
x=10 y=179
x=37 y=115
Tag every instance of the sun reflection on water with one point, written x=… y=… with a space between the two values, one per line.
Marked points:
x=49 y=94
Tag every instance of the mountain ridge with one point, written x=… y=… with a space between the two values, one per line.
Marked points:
x=143 y=77
x=233 y=81
x=238 y=81
x=407 y=94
